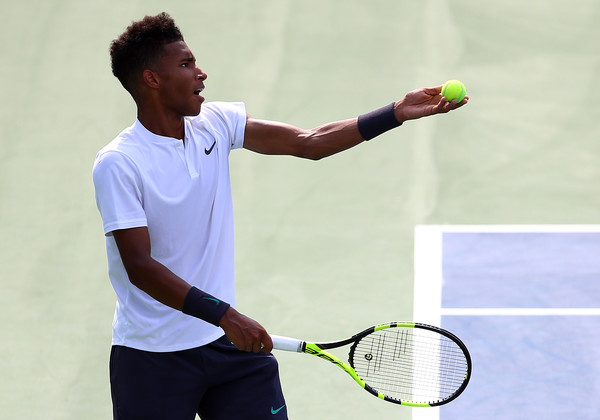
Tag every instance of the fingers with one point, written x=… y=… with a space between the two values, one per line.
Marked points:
x=255 y=344
x=267 y=344
x=447 y=106
x=433 y=91
x=252 y=342
x=245 y=333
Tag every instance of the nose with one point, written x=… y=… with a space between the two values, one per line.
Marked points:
x=201 y=75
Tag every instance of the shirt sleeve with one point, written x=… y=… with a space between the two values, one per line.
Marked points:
x=238 y=110
x=226 y=119
x=118 y=191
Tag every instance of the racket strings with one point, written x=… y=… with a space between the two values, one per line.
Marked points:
x=410 y=364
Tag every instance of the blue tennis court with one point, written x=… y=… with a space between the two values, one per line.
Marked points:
x=524 y=299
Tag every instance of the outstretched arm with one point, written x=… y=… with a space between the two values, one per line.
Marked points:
x=275 y=138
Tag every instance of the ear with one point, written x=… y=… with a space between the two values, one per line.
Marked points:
x=150 y=79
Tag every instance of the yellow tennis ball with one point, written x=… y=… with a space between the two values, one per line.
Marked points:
x=454 y=89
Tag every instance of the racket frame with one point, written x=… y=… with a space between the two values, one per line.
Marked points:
x=318 y=349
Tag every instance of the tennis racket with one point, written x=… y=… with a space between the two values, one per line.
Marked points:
x=405 y=363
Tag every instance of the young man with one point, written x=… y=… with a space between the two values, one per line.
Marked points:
x=163 y=191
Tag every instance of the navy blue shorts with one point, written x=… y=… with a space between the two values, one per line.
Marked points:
x=216 y=381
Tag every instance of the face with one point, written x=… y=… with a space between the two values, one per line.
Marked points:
x=180 y=81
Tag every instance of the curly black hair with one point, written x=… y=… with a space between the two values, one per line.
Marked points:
x=140 y=46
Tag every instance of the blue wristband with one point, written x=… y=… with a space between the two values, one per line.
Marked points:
x=377 y=122
x=204 y=306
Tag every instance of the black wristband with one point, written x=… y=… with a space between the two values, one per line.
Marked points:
x=204 y=306
x=377 y=122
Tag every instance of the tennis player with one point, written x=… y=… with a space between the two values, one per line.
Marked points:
x=179 y=347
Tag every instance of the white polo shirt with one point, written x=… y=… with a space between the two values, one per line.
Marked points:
x=181 y=192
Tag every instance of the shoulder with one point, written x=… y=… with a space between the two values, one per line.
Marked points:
x=116 y=154
x=220 y=113
x=223 y=109
x=222 y=120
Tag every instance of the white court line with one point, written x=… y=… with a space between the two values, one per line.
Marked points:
x=428 y=275
x=439 y=229
x=520 y=311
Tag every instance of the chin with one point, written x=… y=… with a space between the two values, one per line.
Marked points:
x=198 y=108
x=192 y=112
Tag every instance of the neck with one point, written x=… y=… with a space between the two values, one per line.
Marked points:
x=162 y=124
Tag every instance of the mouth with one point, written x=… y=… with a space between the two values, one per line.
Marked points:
x=197 y=93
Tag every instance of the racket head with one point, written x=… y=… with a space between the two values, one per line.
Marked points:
x=411 y=363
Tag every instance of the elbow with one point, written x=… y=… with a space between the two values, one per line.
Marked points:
x=138 y=270
x=137 y=280
x=313 y=155
x=311 y=149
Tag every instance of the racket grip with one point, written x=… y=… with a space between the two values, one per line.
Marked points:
x=287 y=343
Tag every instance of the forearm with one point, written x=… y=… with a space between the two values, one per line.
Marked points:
x=329 y=139
x=335 y=137
x=166 y=287
x=159 y=282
